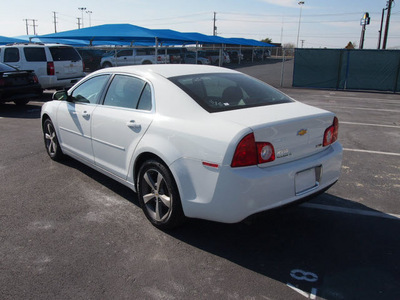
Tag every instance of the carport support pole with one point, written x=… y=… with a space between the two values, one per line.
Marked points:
x=283 y=66
x=240 y=53
x=197 y=55
x=156 y=52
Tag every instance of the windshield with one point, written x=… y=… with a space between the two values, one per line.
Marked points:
x=221 y=91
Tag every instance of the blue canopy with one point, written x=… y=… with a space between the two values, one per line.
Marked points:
x=123 y=34
x=6 y=40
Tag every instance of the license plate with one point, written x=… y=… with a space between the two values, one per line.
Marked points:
x=306 y=180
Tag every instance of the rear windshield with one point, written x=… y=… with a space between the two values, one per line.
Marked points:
x=64 y=54
x=35 y=54
x=221 y=91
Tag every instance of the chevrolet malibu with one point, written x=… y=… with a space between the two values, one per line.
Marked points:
x=195 y=141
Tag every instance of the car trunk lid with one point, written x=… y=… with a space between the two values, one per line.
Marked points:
x=294 y=129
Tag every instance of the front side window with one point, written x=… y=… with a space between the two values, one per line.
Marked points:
x=11 y=55
x=128 y=92
x=90 y=91
x=35 y=54
x=223 y=91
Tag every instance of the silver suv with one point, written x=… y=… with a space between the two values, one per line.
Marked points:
x=56 y=65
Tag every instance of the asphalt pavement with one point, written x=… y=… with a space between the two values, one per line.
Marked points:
x=69 y=232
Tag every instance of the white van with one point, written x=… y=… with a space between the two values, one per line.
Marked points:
x=56 y=65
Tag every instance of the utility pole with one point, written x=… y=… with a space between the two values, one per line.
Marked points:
x=389 y=8
x=34 y=26
x=380 y=29
x=27 y=26
x=302 y=43
x=55 y=21
x=215 y=27
x=79 y=23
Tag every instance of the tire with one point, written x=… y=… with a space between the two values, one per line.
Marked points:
x=51 y=141
x=159 y=196
x=107 y=65
x=147 y=62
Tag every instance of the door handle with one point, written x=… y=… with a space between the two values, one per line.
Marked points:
x=132 y=124
x=85 y=114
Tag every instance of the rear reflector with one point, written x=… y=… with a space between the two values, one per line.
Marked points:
x=207 y=164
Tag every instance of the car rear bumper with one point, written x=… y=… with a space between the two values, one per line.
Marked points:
x=230 y=195
x=20 y=92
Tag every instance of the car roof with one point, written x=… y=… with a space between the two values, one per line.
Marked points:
x=168 y=70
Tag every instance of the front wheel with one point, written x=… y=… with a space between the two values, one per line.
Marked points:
x=51 y=141
x=159 y=196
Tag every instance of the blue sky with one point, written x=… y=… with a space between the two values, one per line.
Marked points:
x=324 y=23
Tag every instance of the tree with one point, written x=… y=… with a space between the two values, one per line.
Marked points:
x=350 y=45
x=267 y=40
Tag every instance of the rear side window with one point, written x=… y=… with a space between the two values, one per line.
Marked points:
x=64 y=54
x=128 y=92
x=221 y=91
x=11 y=55
x=35 y=54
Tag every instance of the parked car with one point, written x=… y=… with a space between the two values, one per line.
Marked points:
x=18 y=86
x=91 y=58
x=176 y=54
x=195 y=141
x=56 y=65
x=214 y=56
x=235 y=56
x=190 y=58
x=133 y=56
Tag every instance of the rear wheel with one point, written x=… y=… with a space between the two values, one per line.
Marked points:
x=107 y=65
x=159 y=196
x=51 y=141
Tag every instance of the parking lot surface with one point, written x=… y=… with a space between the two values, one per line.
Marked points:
x=69 y=232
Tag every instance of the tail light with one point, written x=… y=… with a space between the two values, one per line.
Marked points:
x=35 y=79
x=331 y=133
x=50 y=68
x=249 y=152
x=2 y=82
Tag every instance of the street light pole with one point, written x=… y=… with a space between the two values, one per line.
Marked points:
x=82 y=9
x=89 y=12
x=301 y=3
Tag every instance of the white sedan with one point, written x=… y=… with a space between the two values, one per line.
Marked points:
x=195 y=141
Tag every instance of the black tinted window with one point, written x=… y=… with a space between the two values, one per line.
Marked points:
x=11 y=55
x=64 y=54
x=145 y=99
x=35 y=54
x=220 y=92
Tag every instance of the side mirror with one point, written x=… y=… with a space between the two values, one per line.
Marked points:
x=61 y=95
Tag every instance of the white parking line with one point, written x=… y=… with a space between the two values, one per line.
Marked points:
x=351 y=211
x=369 y=124
x=372 y=152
